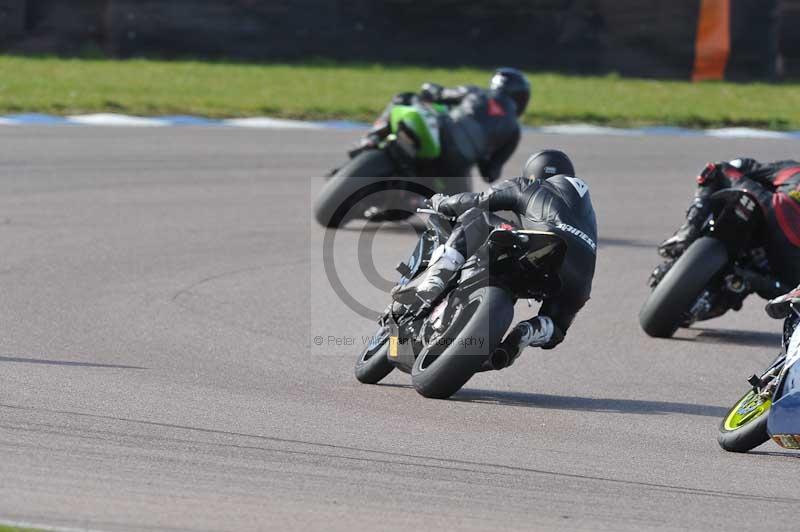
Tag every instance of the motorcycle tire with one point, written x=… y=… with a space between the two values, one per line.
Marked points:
x=347 y=187
x=444 y=368
x=373 y=365
x=739 y=435
x=665 y=309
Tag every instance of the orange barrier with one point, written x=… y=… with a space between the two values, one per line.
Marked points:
x=713 y=45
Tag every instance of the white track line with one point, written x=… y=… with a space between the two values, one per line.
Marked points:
x=746 y=132
x=108 y=119
x=263 y=122
x=587 y=129
x=271 y=123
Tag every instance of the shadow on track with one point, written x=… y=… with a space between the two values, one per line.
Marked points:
x=586 y=404
x=730 y=336
x=64 y=363
x=780 y=454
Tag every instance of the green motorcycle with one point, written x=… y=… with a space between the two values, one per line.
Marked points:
x=394 y=178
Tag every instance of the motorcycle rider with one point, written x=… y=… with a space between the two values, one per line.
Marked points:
x=546 y=198
x=482 y=127
x=776 y=186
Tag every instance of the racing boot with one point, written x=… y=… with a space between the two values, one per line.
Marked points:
x=780 y=307
x=537 y=332
x=674 y=246
x=445 y=262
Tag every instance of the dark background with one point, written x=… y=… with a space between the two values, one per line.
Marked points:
x=654 y=38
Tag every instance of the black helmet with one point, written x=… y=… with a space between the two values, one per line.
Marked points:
x=548 y=163
x=512 y=83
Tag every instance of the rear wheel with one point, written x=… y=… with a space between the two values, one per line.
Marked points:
x=373 y=363
x=745 y=426
x=349 y=186
x=671 y=300
x=442 y=368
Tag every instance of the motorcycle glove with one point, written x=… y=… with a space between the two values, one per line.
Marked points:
x=709 y=174
x=437 y=200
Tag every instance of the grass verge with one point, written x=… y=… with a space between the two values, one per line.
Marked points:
x=359 y=92
x=4 y=528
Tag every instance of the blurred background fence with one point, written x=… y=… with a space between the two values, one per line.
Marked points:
x=736 y=39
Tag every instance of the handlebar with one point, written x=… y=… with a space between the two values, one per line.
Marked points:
x=434 y=212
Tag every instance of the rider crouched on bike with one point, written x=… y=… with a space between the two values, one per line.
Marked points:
x=776 y=186
x=546 y=198
x=482 y=127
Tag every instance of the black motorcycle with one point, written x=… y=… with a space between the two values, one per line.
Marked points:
x=711 y=276
x=442 y=345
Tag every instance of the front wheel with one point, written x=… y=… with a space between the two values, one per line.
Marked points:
x=671 y=300
x=373 y=365
x=745 y=426
x=454 y=356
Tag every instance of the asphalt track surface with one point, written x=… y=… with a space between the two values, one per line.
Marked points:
x=161 y=295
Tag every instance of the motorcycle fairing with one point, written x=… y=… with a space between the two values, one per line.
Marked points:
x=735 y=211
x=540 y=252
x=421 y=120
x=784 y=417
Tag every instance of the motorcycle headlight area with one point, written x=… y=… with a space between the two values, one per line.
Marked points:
x=784 y=422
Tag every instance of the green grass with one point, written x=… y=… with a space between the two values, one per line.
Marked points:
x=4 y=528
x=323 y=90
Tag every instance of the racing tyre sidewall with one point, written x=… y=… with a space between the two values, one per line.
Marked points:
x=664 y=310
x=440 y=371
x=342 y=191
x=746 y=437
x=373 y=364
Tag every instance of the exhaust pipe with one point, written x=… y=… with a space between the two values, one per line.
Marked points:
x=500 y=359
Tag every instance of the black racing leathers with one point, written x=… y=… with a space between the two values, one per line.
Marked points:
x=481 y=128
x=562 y=205
x=777 y=187
x=484 y=129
